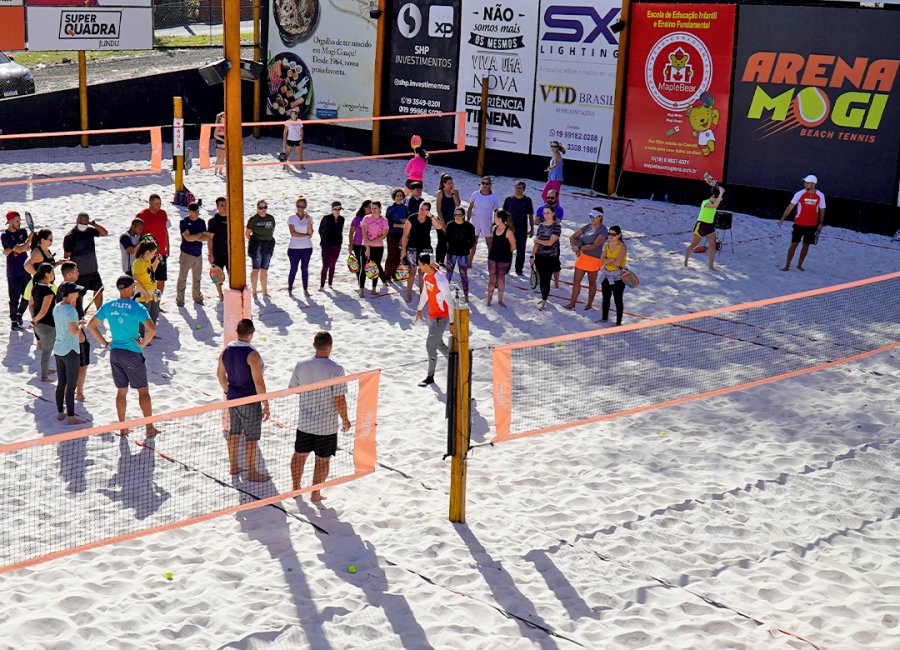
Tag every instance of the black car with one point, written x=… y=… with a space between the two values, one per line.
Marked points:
x=15 y=79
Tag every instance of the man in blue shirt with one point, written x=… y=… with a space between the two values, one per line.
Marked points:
x=124 y=317
x=193 y=234
x=16 y=244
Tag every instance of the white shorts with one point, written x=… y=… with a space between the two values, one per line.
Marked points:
x=482 y=229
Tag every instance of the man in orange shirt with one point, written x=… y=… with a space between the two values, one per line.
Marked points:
x=156 y=223
x=435 y=294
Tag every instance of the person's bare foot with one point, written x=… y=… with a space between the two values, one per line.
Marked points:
x=711 y=267
x=571 y=305
x=74 y=420
x=316 y=497
x=60 y=416
x=307 y=294
x=800 y=268
x=362 y=293
x=257 y=477
x=541 y=305
x=785 y=268
x=236 y=470
x=588 y=306
x=501 y=303
x=79 y=397
x=47 y=380
x=467 y=297
x=124 y=432
x=489 y=301
x=266 y=294
x=152 y=431
x=409 y=296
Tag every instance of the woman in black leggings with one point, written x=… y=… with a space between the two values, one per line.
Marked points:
x=615 y=253
x=545 y=254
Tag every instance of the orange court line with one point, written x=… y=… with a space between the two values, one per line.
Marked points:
x=711 y=393
x=696 y=315
x=180 y=524
x=53 y=134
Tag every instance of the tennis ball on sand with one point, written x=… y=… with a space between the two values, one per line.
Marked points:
x=351 y=568
x=198 y=326
x=264 y=338
x=559 y=344
x=663 y=433
x=169 y=575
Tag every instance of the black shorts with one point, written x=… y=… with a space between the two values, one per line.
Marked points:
x=90 y=281
x=806 y=233
x=409 y=183
x=128 y=368
x=323 y=446
x=294 y=143
x=161 y=274
x=85 y=353
x=702 y=229
x=221 y=262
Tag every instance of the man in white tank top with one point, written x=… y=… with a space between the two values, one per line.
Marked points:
x=293 y=137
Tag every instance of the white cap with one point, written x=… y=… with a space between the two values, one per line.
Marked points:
x=811 y=179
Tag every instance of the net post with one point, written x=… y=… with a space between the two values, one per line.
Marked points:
x=156 y=149
x=257 y=56
x=234 y=146
x=380 y=40
x=82 y=95
x=482 y=128
x=178 y=155
x=463 y=419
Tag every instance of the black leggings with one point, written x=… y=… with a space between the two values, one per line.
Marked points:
x=440 y=253
x=617 y=290
x=546 y=266
x=67 y=368
x=376 y=253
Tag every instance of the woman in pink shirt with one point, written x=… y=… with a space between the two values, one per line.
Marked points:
x=374 y=230
x=415 y=168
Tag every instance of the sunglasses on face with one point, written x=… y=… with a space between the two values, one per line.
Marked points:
x=485 y=182
x=263 y=207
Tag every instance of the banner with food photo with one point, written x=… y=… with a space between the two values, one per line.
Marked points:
x=678 y=87
x=321 y=59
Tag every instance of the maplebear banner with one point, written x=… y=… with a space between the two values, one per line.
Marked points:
x=679 y=76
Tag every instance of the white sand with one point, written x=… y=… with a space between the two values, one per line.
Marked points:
x=775 y=507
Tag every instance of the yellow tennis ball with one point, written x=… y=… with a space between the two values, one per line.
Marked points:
x=169 y=575
x=264 y=338
x=351 y=568
x=663 y=433
x=198 y=326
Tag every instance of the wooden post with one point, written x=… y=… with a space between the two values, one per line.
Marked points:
x=380 y=42
x=463 y=419
x=615 y=159
x=234 y=146
x=82 y=95
x=482 y=128
x=257 y=56
x=178 y=156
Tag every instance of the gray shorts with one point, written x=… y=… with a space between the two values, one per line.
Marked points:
x=128 y=368
x=246 y=419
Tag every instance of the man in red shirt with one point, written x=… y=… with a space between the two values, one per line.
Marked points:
x=808 y=220
x=436 y=295
x=156 y=223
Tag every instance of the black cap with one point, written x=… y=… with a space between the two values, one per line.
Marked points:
x=67 y=288
x=194 y=207
x=336 y=204
x=124 y=282
x=415 y=185
x=424 y=258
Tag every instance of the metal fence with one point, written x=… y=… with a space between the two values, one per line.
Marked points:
x=196 y=23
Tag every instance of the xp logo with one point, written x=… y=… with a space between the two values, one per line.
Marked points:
x=409 y=20
x=578 y=24
x=440 y=21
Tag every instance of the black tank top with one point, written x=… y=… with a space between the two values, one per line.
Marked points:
x=419 y=233
x=48 y=259
x=500 y=251
x=448 y=205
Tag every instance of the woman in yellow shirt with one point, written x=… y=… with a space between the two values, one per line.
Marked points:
x=146 y=260
x=615 y=253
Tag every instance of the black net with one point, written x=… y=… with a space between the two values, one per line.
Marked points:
x=101 y=486
x=588 y=378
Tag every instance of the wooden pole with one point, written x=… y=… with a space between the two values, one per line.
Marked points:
x=615 y=159
x=82 y=95
x=234 y=146
x=482 y=128
x=257 y=56
x=380 y=43
x=458 y=462
x=178 y=123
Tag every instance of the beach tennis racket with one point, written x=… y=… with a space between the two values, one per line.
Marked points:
x=371 y=270
x=816 y=240
x=402 y=272
x=353 y=264
x=630 y=279
x=29 y=221
x=712 y=182
x=534 y=278
x=415 y=142
x=216 y=274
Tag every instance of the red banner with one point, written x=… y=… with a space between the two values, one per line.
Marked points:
x=679 y=80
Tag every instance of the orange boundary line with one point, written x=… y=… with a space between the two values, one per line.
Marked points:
x=61 y=179
x=179 y=524
x=696 y=315
x=195 y=410
x=711 y=393
x=53 y=134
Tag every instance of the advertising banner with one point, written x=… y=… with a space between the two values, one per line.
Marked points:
x=12 y=25
x=321 y=59
x=576 y=77
x=498 y=41
x=113 y=28
x=679 y=78
x=819 y=100
x=423 y=64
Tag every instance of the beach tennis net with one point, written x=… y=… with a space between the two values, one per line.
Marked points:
x=81 y=490
x=555 y=383
x=50 y=157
